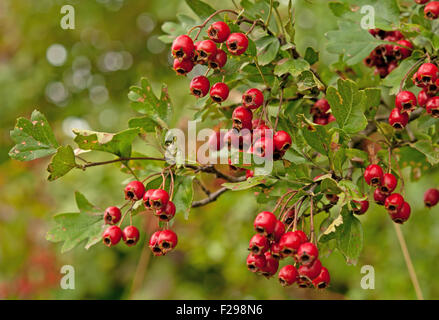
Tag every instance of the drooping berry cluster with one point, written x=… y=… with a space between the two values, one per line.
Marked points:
x=205 y=52
x=273 y=242
x=321 y=112
x=385 y=57
x=431 y=10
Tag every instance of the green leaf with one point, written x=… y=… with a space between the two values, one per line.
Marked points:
x=74 y=228
x=311 y=55
x=393 y=80
x=116 y=143
x=373 y=99
x=351 y=190
x=145 y=123
x=62 y=162
x=350 y=237
x=289 y=25
x=34 y=138
x=430 y=151
x=249 y=183
x=316 y=137
x=347 y=105
x=292 y=66
x=183 y=194
x=268 y=48
x=200 y=8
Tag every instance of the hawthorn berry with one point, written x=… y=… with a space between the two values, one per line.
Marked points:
x=271 y=265
x=276 y=251
x=112 y=215
x=242 y=118
x=183 y=67
x=146 y=198
x=289 y=243
x=360 y=207
x=237 y=43
x=432 y=107
x=154 y=244
x=397 y=119
x=421 y=1
x=252 y=98
x=259 y=244
x=134 y=190
x=167 y=240
x=218 y=31
x=302 y=235
x=279 y=230
x=130 y=235
x=405 y=101
x=183 y=48
x=282 y=141
x=216 y=141
x=200 y=86
x=404 y=50
x=307 y=253
x=379 y=197
x=389 y=184
x=320 y=107
x=431 y=10
x=373 y=175
x=427 y=73
x=308 y=272
x=219 y=92
x=394 y=202
x=323 y=121
x=263 y=147
x=431 y=197
x=260 y=131
x=402 y=215
x=159 y=199
x=112 y=236
x=423 y=98
x=256 y=263
x=288 y=275
x=218 y=60
x=322 y=280
x=238 y=139
x=167 y=213
x=249 y=173
x=204 y=50
x=265 y=223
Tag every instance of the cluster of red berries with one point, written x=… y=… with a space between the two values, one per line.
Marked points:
x=399 y=210
x=320 y=112
x=431 y=10
x=385 y=57
x=156 y=200
x=273 y=242
x=187 y=54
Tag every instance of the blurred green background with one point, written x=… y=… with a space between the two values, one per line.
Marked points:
x=80 y=78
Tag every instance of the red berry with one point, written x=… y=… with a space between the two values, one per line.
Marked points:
x=130 y=235
x=146 y=199
x=289 y=243
x=134 y=190
x=392 y=66
x=431 y=10
x=258 y=244
x=389 y=184
x=379 y=197
x=397 y=119
x=216 y=141
x=167 y=241
x=402 y=215
x=200 y=86
x=307 y=253
x=302 y=235
x=421 y=1
x=360 y=207
x=431 y=197
x=249 y=174
x=183 y=67
x=423 y=98
x=237 y=43
x=256 y=263
x=112 y=215
x=265 y=223
x=276 y=251
x=282 y=141
x=183 y=47
x=219 y=60
x=321 y=120
x=322 y=280
x=394 y=202
x=218 y=31
x=167 y=213
x=432 y=107
x=307 y=273
x=288 y=275
x=263 y=147
x=238 y=139
x=204 y=50
x=111 y=236
x=219 y=92
x=271 y=265
x=373 y=175
x=242 y=118
x=320 y=107
x=427 y=72
x=279 y=230
x=403 y=50
x=405 y=101
x=154 y=244
x=252 y=98
x=331 y=118
x=159 y=199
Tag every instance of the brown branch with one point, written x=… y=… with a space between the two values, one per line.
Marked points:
x=212 y=197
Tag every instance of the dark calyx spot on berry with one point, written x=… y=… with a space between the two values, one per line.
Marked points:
x=130 y=195
x=107 y=241
x=260 y=229
x=432 y=88
x=196 y=92
x=407 y=106
x=384 y=189
x=426 y=79
x=400 y=221
x=233 y=46
x=147 y=204
x=180 y=53
x=248 y=99
x=213 y=33
x=392 y=208
x=203 y=54
x=163 y=217
x=166 y=245
x=251 y=267
x=375 y=181
x=217 y=98
x=213 y=65
x=286 y=146
x=275 y=256
x=435 y=113
x=322 y=285
x=255 y=249
x=288 y=220
x=287 y=251
x=266 y=274
x=428 y=204
x=156 y=249
x=157 y=204
x=130 y=241
x=108 y=218
x=430 y=15
x=282 y=282
x=305 y=257
x=181 y=71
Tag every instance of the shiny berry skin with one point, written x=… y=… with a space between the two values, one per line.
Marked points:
x=252 y=98
x=130 y=235
x=216 y=141
x=279 y=230
x=218 y=31
x=307 y=253
x=146 y=199
x=256 y=263
x=282 y=141
x=360 y=207
x=405 y=101
x=402 y=51
x=159 y=199
x=167 y=213
x=112 y=236
x=200 y=86
x=373 y=175
x=204 y=50
x=134 y=190
x=288 y=275
x=218 y=61
x=238 y=139
x=289 y=243
x=242 y=118
x=331 y=118
x=421 y=1
x=183 y=67
x=112 y=215
x=183 y=47
x=322 y=120
x=167 y=241
x=271 y=265
x=310 y=271
x=275 y=251
x=258 y=244
x=423 y=98
x=432 y=107
x=397 y=119
x=265 y=223
x=379 y=197
x=394 y=202
x=302 y=235
x=427 y=73
x=154 y=244
x=237 y=43
x=389 y=184
x=431 y=197
x=431 y=10
x=402 y=215
x=219 y=92
x=322 y=280
x=320 y=107
x=263 y=148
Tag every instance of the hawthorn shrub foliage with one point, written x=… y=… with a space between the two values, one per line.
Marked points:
x=339 y=139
